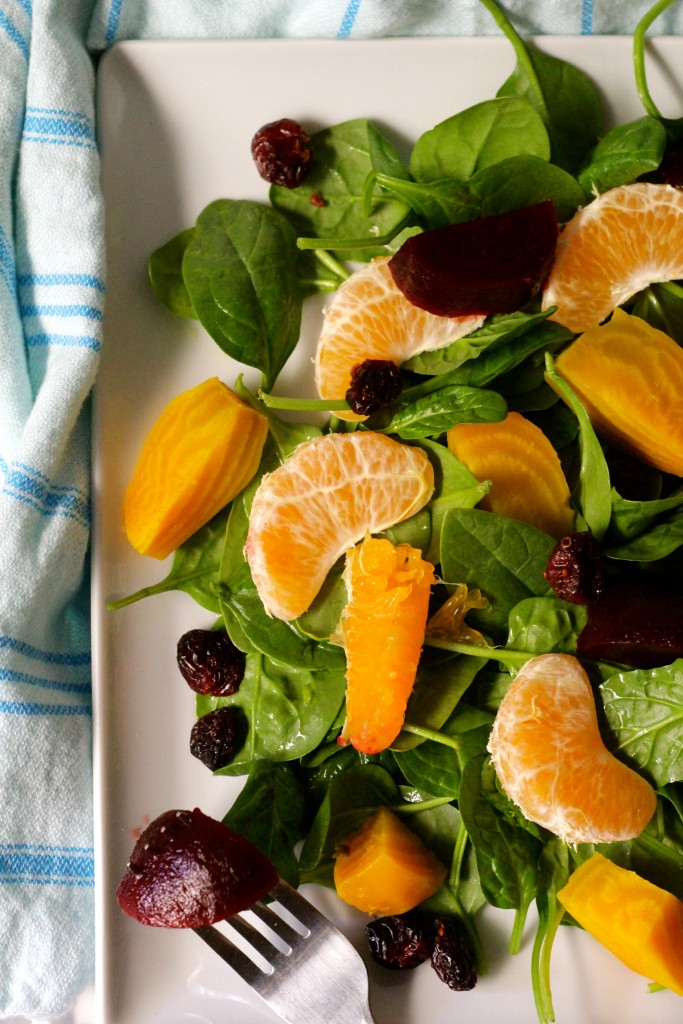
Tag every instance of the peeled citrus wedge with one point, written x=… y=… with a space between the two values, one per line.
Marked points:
x=369 y=318
x=323 y=500
x=551 y=761
x=626 y=239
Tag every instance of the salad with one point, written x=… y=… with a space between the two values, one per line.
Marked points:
x=290 y=754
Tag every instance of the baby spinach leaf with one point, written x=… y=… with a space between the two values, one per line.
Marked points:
x=345 y=155
x=436 y=767
x=622 y=155
x=593 y=494
x=166 y=275
x=478 y=137
x=565 y=98
x=544 y=624
x=524 y=181
x=269 y=811
x=195 y=567
x=632 y=518
x=436 y=203
x=507 y=855
x=322 y=618
x=438 y=688
x=240 y=273
x=503 y=558
x=437 y=412
x=289 y=710
x=352 y=797
x=497 y=329
x=660 y=540
x=661 y=305
x=644 y=709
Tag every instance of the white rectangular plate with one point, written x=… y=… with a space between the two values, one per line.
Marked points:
x=176 y=120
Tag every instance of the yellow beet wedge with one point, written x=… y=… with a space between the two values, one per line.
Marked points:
x=202 y=451
x=527 y=481
x=636 y=920
x=384 y=868
x=629 y=377
x=383 y=628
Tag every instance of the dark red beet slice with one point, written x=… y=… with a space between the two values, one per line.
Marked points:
x=188 y=870
x=637 y=622
x=490 y=265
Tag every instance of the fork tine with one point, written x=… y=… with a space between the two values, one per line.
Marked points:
x=260 y=942
x=228 y=952
x=298 y=906
x=275 y=923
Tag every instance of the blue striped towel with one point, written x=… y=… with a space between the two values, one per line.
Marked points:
x=51 y=309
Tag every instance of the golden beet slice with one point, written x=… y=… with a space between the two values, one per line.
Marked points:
x=629 y=377
x=527 y=481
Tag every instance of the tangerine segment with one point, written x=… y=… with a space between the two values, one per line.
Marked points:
x=629 y=377
x=383 y=628
x=527 y=481
x=551 y=761
x=331 y=492
x=369 y=318
x=626 y=239
x=636 y=920
x=202 y=451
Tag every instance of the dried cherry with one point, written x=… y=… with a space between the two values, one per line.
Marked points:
x=210 y=663
x=282 y=153
x=400 y=942
x=375 y=384
x=216 y=736
x=576 y=569
x=452 y=957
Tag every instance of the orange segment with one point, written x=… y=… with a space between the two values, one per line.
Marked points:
x=202 y=451
x=551 y=761
x=626 y=239
x=527 y=481
x=323 y=500
x=383 y=628
x=369 y=318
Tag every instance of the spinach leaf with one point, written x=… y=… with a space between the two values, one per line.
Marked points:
x=454 y=487
x=661 y=306
x=544 y=624
x=436 y=767
x=439 y=686
x=524 y=181
x=593 y=495
x=644 y=709
x=322 y=618
x=269 y=811
x=503 y=558
x=345 y=155
x=507 y=855
x=562 y=94
x=436 y=203
x=195 y=567
x=240 y=273
x=630 y=519
x=659 y=541
x=622 y=155
x=435 y=413
x=352 y=797
x=497 y=329
x=166 y=275
x=289 y=710
x=477 y=137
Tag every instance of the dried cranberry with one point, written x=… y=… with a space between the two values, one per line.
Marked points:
x=215 y=737
x=576 y=569
x=375 y=384
x=282 y=153
x=452 y=957
x=400 y=942
x=210 y=663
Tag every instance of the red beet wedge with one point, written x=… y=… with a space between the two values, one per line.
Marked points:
x=188 y=870
x=491 y=265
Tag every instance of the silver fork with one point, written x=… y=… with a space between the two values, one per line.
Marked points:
x=318 y=979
